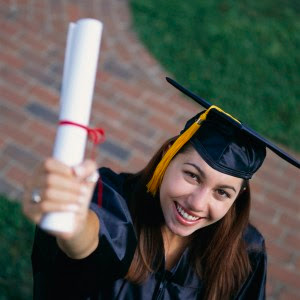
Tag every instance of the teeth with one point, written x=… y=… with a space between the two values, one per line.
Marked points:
x=184 y=214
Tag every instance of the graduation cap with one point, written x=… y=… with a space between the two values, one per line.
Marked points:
x=225 y=143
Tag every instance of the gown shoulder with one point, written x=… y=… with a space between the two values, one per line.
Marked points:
x=255 y=284
x=255 y=241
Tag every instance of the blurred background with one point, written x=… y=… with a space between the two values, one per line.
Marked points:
x=243 y=56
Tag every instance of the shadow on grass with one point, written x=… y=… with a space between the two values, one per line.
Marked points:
x=16 y=236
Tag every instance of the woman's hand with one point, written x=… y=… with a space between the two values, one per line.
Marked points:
x=61 y=189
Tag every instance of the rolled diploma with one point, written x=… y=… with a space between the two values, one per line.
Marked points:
x=81 y=58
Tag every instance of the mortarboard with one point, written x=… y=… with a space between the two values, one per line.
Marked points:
x=225 y=143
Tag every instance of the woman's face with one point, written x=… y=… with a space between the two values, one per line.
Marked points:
x=194 y=195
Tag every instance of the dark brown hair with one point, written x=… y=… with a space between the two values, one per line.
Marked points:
x=218 y=252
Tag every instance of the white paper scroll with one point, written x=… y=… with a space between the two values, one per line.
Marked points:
x=81 y=59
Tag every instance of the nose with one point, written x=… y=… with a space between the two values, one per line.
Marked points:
x=199 y=200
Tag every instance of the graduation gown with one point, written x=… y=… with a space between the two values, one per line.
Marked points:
x=101 y=274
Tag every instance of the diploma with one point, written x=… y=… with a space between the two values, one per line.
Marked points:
x=80 y=66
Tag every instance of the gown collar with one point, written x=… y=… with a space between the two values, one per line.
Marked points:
x=181 y=273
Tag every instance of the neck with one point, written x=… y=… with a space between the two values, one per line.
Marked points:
x=174 y=246
x=173 y=241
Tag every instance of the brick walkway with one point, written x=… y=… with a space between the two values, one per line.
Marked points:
x=132 y=101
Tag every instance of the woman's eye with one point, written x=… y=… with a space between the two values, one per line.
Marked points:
x=223 y=193
x=192 y=175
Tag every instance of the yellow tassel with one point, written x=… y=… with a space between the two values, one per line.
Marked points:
x=160 y=170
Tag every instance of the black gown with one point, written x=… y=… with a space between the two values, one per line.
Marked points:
x=101 y=274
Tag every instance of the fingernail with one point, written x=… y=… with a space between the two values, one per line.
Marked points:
x=81 y=199
x=84 y=190
x=73 y=207
x=78 y=170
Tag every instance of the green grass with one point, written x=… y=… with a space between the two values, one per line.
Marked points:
x=241 y=55
x=16 y=235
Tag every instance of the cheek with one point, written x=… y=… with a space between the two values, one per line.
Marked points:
x=174 y=186
x=167 y=184
x=219 y=209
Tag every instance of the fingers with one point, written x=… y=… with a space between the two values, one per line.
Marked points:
x=88 y=173
x=86 y=169
x=65 y=196
x=81 y=171
x=35 y=211
x=54 y=200
x=61 y=188
x=74 y=180
x=52 y=165
x=61 y=184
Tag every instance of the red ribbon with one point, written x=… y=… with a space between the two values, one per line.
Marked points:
x=96 y=135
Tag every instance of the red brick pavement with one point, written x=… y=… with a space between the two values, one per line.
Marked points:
x=132 y=101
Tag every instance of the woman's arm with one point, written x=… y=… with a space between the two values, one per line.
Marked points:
x=85 y=242
x=63 y=188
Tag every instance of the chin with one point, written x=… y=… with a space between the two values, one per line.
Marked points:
x=182 y=232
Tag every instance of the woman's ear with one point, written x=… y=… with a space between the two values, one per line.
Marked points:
x=243 y=188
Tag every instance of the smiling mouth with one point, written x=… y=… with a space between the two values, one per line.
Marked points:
x=184 y=214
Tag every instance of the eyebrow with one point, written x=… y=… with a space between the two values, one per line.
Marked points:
x=227 y=187
x=203 y=175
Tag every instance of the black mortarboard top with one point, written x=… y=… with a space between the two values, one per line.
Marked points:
x=242 y=132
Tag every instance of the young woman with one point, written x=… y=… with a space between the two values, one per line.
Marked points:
x=179 y=229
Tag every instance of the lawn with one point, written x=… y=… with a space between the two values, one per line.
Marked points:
x=240 y=55
x=15 y=248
